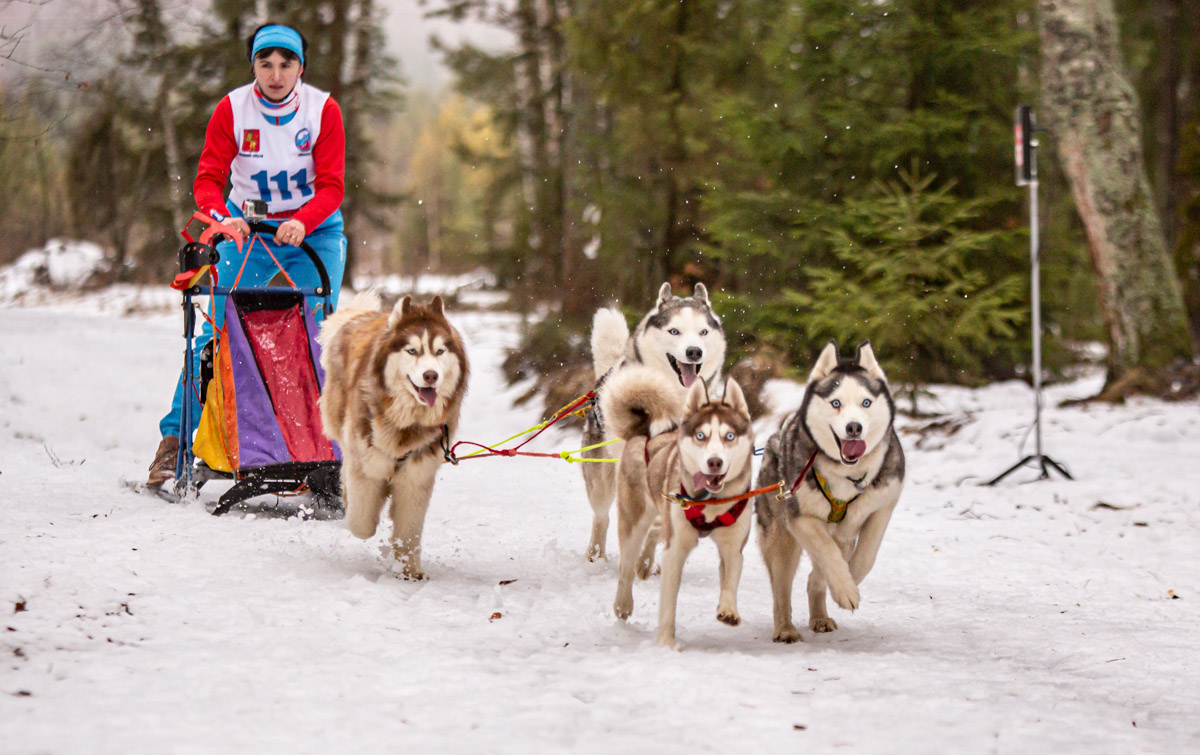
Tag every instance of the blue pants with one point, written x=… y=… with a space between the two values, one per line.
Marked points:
x=327 y=241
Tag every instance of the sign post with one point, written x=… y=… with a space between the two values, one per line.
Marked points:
x=1025 y=153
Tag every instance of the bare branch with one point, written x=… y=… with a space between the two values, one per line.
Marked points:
x=10 y=40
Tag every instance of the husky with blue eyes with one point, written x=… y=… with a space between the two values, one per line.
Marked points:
x=841 y=460
x=693 y=477
x=681 y=338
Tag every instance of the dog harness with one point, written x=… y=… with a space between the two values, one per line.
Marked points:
x=695 y=514
x=444 y=447
x=837 y=507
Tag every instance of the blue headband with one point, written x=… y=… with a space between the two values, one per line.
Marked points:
x=278 y=36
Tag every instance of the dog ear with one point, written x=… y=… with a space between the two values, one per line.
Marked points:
x=734 y=398
x=825 y=363
x=400 y=310
x=664 y=294
x=866 y=360
x=437 y=305
x=697 y=396
x=700 y=294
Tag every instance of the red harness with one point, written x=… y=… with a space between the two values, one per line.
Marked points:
x=695 y=516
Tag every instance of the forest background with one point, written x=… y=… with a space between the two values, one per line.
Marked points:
x=830 y=168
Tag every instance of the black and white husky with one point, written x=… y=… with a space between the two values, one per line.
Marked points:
x=681 y=338
x=841 y=453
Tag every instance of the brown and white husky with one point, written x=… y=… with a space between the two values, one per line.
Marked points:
x=394 y=387
x=689 y=449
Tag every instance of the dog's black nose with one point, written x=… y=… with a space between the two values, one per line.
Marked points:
x=715 y=465
x=430 y=376
x=853 y=429
x=694 y=353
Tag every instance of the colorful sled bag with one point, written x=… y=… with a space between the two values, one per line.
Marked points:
x=261 y=413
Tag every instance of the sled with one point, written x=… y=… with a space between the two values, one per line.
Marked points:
x=258 y=386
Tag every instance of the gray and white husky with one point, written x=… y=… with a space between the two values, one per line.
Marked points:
x=681 y=338
x=841 y=440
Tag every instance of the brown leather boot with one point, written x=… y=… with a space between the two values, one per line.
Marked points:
x=163 y=467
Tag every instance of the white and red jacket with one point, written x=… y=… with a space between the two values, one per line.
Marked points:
x=298 y=167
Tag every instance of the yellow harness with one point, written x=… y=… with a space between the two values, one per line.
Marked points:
x=837 y=507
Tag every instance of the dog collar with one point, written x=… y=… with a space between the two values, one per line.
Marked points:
x=683 y=498
x=837 y=507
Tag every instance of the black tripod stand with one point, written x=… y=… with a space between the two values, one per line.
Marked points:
x=1044 y=461
x=1026 y=153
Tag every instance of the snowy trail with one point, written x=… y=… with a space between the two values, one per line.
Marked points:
x=1032 y=617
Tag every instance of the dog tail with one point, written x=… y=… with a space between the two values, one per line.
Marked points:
x=363 y=301
x=610 y=334
x=640 y=400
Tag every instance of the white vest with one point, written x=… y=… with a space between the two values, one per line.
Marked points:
x=274 y=163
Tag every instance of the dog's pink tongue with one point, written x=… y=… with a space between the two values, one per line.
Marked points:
x=428 y=396
x=701 y=481
x=688 y=374
x=853 y=448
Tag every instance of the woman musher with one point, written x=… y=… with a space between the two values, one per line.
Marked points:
x=280 y=141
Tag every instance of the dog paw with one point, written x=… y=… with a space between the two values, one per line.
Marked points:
x=788 y=634
x=666 y=639
x=845 y=596
x=729 y=617
x=363 y=530
x=623 y=608
x=408 y=574
x=822 y=625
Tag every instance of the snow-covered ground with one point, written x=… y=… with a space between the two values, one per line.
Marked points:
x=1048 y=616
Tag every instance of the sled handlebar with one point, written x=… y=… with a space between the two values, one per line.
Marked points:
x=197 y=255
x=257 y=226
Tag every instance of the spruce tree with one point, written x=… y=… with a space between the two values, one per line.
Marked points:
x=851 y=94
x=907 y=275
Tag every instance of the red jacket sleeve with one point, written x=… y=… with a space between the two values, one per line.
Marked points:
x=329 y=164
x=215 y=159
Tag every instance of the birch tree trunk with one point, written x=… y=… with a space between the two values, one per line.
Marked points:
x=1093 y=120
x=156 y=41
x=565 y=247
x=175 y=178
x=532 y=143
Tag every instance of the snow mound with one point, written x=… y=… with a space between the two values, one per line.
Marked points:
x=70 y=274
x=476 y=288
x=61 y=264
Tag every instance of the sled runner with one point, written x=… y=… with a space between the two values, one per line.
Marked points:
x=259 y=383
